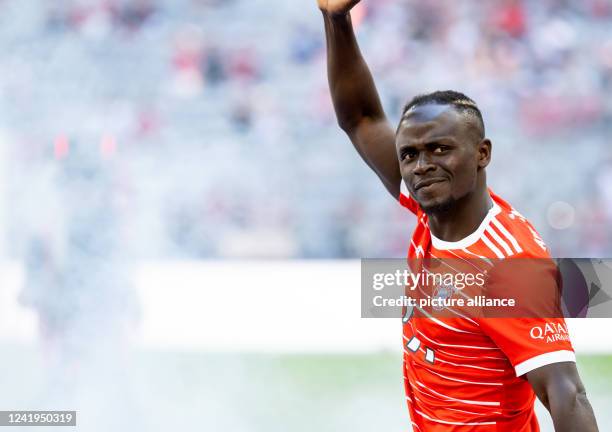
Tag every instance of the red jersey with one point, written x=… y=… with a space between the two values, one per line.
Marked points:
x=468 y=374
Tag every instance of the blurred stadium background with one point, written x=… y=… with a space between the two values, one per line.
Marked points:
x=180 y=216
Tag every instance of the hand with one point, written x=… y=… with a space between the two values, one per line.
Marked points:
x=336 y=7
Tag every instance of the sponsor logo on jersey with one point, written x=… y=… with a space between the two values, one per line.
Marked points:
x=550 y=332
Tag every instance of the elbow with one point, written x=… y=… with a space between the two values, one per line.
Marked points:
x=349 y=122
x=579 y=393
x=560 y=395
x=348 y=125
x=572 y=401
x=569 y=398
x=575 y=413
x=581 y=399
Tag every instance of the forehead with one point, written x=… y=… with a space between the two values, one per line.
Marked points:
x=431 y=120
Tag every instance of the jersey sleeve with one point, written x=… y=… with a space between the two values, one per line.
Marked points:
x=406 y=200
x=534 y=333
x=530 y=343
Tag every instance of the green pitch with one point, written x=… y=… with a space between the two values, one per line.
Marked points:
x=190 y=391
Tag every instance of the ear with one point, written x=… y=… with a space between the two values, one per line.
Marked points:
x=484 y=152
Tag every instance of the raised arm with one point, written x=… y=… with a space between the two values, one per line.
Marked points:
x=358 y=108
x=560 y=389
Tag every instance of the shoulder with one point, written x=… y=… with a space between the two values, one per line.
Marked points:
x=518 y=231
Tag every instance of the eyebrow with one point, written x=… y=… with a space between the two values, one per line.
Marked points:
x=433 y=140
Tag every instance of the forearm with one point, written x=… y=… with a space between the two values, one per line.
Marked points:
x=351 y=84
x=572 y=413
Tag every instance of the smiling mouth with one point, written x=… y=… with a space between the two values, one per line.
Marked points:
x=428 y=182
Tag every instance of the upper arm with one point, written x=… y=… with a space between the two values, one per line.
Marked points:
x=560 y=389
x=559 y=379
x=374 y=139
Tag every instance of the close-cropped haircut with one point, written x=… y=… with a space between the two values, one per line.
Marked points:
x=458 y=100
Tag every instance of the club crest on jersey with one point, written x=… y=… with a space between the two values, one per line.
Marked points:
x=443 y=292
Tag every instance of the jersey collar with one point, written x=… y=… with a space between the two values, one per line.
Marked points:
x=470 y=239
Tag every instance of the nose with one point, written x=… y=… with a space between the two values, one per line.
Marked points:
x=423 y=164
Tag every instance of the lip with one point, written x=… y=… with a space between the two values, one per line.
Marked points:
x=428 y=182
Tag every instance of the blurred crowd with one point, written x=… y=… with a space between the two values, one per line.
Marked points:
x=213 y=135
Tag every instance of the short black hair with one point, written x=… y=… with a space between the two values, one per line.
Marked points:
x=459 y=101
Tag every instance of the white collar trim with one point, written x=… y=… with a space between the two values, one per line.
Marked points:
x=470 y=239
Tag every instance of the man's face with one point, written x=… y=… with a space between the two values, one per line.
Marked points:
x=440 y=152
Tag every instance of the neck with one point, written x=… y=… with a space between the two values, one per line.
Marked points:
x=463 y=218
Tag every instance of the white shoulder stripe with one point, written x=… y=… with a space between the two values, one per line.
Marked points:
x=500 y=241
x=507 y=234
x=491 y=246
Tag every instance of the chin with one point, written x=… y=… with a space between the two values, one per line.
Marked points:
x=439 y=205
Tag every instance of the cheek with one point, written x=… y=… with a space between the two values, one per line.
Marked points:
x=464 y=175
x=405 y=170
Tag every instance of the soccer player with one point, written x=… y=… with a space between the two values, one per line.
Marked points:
x=460 y=374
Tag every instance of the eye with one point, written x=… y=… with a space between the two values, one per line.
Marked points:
x=408 y=154
x=439 y=149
